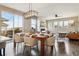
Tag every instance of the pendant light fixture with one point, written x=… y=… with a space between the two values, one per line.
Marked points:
x=30 y=9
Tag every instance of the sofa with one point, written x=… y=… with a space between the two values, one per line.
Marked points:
x=73 y=35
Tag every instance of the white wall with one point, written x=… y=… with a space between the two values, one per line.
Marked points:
x=73 y=28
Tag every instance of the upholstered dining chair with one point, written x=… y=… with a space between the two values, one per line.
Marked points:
x=2 y=46
x=18 y=39
x=36 y=41
x=28 y=41
x=50 y=42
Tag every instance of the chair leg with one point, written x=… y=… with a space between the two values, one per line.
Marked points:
x=51 y=50
x=0 y=53
x=48 y=50
x=21 y=47
x=17 y=48
x=37 y=46
x=3 y=51
x=30 y=50
x=24 y=49
x=55 y=50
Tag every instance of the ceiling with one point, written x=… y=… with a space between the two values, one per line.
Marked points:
x=48 y=9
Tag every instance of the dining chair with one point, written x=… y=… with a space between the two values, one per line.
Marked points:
x=2 y=46
x=18 y=39
x=50 y=42
x=28 y=41
x=36 y=40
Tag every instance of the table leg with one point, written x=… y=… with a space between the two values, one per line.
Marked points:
x=42 y=48
x=14 y=45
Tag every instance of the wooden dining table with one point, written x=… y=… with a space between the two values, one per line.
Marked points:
x=42 y=45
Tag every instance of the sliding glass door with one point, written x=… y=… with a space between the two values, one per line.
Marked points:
x=12 y=24
x=9 y=24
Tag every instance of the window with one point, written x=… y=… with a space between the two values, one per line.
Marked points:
x=38 y=25
x=50 y=25
x=55 y=23
x=33 y=23
x=18 y=22
x=9 y=17
x=65 y=23
x=14 y=22
x=60 y=23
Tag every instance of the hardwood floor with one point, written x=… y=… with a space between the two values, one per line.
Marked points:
x=64 y=47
